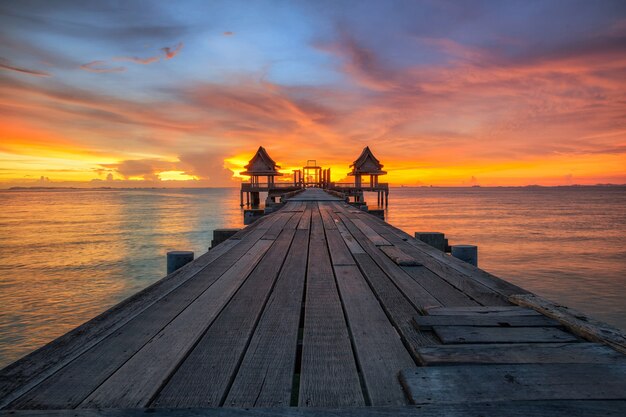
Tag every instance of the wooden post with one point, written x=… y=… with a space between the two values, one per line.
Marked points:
x=256 y=199
x=434 y=239
x=466 y=253
x=177 y=259
x=220 y=235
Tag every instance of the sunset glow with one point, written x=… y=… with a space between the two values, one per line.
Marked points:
x=181 y=94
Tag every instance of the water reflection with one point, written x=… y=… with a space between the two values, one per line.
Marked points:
x=567 y=244
x=69 y=255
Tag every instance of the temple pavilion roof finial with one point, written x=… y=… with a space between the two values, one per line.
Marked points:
x=261 y=164
x=367 y=164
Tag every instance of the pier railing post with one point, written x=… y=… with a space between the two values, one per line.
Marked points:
x=466 y=253
x=434 y=239
x=177 y=259
x=220 y=235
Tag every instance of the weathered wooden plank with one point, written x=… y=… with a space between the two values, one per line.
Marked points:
x=24 y=374
x=438 y=287
x=400 y=258
x=203 y=378
x=462 y=334
x=329 y=375
x=378 y=346
x=479 y=383
x=427 y=322
x=482 y=311
x=71 y=384
x=418 y=296
x=276 y=228
x=575 y=321
x=135 y=383
x=466 y=283
x=372 y=235
x=554 y=408
x=266 y=372
x=349 y=240
x=496 y=284
x=339 y=252
x=327 y=216
x=397 y=307
x=305 y=221
x=293 y=206
x=519 y=353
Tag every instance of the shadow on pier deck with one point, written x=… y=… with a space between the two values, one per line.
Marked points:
x=320 y=308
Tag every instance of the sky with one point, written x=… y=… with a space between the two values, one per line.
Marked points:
x=182 y=93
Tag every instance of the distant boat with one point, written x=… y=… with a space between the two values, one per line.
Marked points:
x=476 y=186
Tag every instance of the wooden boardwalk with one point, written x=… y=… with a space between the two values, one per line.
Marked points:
x=320 y=308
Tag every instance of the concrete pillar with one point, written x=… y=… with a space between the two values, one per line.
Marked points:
x=177 y=259
x=466 y=253
x=434 y=239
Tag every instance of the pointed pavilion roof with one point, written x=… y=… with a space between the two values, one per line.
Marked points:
x=261 y=164
x=367 y=164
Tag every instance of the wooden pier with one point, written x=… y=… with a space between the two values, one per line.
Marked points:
x=320 y=308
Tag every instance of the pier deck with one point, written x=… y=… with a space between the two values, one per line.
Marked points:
x=321 y=306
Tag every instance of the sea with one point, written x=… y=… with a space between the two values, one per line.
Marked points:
x=68 y=255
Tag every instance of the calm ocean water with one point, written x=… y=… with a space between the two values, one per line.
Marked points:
x=68 y=255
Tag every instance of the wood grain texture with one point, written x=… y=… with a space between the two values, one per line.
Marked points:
x=265 y=376
x=397 y=307
x=74 y=382
x=339 y=253
x=427 y=322
x=577 y=322
x=482 y=311
x=349 y=240
x=135 y=382
x=554 y=408
x=496 y=284
x=519 y=353
x=494 y=383
x=462 y=334
x=418 y=296
x=327 y=216
x=24 y=374
x=439 y=288
x=329 y=375
x=378 y=346
x=203 y=378
x=466 y=283
x=372 y=235
x=400 y=258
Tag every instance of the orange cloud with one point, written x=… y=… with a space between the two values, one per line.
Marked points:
x=554 y=118
x=172 y=52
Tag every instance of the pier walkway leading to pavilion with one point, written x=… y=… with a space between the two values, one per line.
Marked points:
x=322 y=307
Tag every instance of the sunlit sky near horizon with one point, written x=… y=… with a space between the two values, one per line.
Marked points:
x=182 y=93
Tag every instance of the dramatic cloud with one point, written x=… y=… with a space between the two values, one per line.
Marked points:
x=442 y=92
